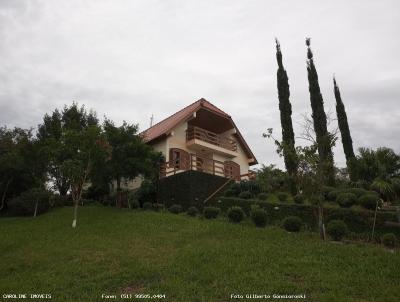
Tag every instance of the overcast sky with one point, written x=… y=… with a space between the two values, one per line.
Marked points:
x=131 y=59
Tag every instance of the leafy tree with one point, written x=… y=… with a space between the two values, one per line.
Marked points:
x=288 y=141
x=22 y=165
x=52 y=137
x=130 y=156
x=86 y=148
x=320 y=122
x=344 y=130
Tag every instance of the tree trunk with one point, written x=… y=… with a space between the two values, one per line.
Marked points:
x=75 y=214
x=321 y=225
x=36 y=206
x=118 y=199
x=3 y=198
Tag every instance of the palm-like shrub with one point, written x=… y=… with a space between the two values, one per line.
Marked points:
x=346 y=200
x=258 y=216
x=292 y=224
x=384 y=188
x=235 y=214
x=337 y=229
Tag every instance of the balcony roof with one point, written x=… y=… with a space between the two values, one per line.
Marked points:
x=164 y=127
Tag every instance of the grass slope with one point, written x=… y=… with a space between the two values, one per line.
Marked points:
x=187 y=259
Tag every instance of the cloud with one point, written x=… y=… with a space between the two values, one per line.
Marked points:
x=131 y=59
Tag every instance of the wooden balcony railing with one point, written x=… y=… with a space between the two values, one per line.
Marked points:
x=210 y=137
x=203 y=164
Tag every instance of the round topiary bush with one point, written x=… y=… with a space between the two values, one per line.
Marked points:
x=337 y=229
x=346 y=200
x=262 y=196
x=175 y=209
x=368 y=201
x=299 y=199
x=230 y=193
x=158 y=207
x=259 y=217
x=245 y=195
x=235 y=214
x=332 y=195
x=292 y=224
x=357 y=191
x=211 y=212
x=192 y=211
x=326 y=190
x=147 y=206
x=282 y=196
x=389 y=240
x=134 y=204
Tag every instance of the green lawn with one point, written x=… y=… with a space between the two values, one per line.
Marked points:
x=188 y=259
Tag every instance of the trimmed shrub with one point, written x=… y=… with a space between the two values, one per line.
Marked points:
x=245 y=195
x=147 y=206
x=134 y=204
x=175 y=209
x=211 y=212
x=389 y=240
x=230 y=193
x=346 y=200
x=158 y=207
x=292 y=224
x=25 y=204
x=326 y=190
x=368 y=201
x=358 y=220
x=258 y=216
x=235 y=214
x=262 y=196
x=356 y=191
x=337 y=229
x=282 y=196
x=299 y=199
x=332 y=195
x=192 y=211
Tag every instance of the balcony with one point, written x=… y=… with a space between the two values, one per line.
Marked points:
x=198 y=138
x=188 y=161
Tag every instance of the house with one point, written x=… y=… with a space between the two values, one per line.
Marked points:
x=203 y=138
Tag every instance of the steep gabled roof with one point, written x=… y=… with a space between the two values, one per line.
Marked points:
x=165 y=127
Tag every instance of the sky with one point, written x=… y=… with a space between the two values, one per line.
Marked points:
x=129 y=60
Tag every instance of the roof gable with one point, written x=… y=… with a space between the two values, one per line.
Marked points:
x=164 y=127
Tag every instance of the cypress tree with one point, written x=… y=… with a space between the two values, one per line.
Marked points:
x=344 y=129
x=320 y=124
x=285 y=108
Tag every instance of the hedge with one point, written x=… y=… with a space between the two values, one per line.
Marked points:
x=357 y=220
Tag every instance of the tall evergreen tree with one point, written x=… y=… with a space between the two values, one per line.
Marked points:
x=288 y=142
x=344 y=129
x=323 y=137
